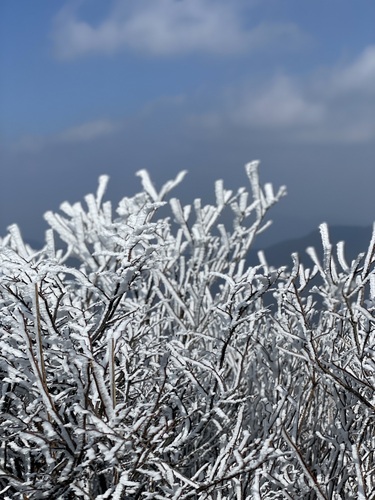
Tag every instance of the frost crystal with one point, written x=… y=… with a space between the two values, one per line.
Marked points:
x=161 y=358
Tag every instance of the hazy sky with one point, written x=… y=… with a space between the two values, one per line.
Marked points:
x=90 y=87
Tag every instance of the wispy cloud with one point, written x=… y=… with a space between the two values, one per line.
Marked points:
x=280 y=104
x=357 y=76
x=87 y=131
x=83 y=133
x=167 y=28
x=334 y=105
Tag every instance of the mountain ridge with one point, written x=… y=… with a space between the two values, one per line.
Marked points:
x=356 y=238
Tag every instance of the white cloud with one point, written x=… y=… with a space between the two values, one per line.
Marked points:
x=334 y=105
x=83 y=133
x=86 y=131
x=358 y=76
x=281 y=104
x=168 y=27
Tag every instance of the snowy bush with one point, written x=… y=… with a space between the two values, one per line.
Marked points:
x=163 y=365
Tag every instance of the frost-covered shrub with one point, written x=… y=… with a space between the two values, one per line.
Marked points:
x=162 y=365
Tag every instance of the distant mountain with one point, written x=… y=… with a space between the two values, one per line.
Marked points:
x=356 y=238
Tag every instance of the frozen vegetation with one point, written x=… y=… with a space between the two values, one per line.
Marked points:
x=162 y=366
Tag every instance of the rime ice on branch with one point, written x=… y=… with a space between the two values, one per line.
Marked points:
x=167 y=363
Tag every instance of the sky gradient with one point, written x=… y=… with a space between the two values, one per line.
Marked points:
x=91 y=87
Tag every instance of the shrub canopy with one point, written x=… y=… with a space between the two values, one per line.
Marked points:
x=148 y=358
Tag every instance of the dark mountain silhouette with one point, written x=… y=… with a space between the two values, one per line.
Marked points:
x=356 y=238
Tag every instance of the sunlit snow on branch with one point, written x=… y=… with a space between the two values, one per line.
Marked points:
x=160 y=357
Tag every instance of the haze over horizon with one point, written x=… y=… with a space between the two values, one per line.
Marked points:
x=90 y=87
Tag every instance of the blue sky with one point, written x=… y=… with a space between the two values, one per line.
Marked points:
x=90 y=87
